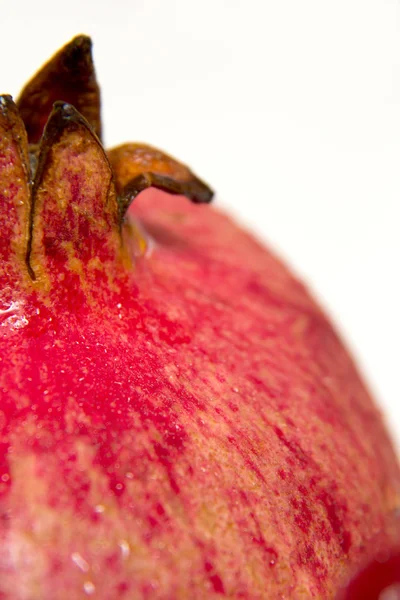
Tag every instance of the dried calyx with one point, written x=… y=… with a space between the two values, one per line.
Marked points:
x=59 y=189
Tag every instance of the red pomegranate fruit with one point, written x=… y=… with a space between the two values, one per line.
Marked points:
x=178 y=418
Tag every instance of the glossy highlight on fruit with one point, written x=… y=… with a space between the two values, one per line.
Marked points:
x=178 y=419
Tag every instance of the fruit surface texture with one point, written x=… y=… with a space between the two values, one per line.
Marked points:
x=178 y=418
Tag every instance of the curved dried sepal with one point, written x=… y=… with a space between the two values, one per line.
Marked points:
x=74 y=226
x=14 y=190
x=137 y=167
x=68 y=77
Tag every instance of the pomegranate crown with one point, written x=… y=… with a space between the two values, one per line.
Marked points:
x=61 y=193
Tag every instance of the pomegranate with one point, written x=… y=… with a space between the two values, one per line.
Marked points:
x=178 y=418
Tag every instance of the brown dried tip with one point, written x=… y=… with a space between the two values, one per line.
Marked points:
x=79 y=226
x=68 y=77
x=14 y=189
x=69 y=219
x=137 y=167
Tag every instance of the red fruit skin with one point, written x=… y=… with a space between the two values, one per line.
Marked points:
x=379 y=580
x=188 y=425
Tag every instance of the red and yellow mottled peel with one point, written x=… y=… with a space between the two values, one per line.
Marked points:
x=177 y=416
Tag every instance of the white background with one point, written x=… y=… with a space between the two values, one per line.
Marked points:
x=290 y=109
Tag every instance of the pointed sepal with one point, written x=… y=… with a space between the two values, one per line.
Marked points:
x=14 y=193
x=68 y=77
x=74 y=229
x=138 y=166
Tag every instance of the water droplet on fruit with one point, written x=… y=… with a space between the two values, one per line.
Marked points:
x=80 y=562
x=99 y=508
x=89 y=588
x=125 y=548
x=12 y=316
x=236 y=390
x=390 y=593
x=382 y=555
